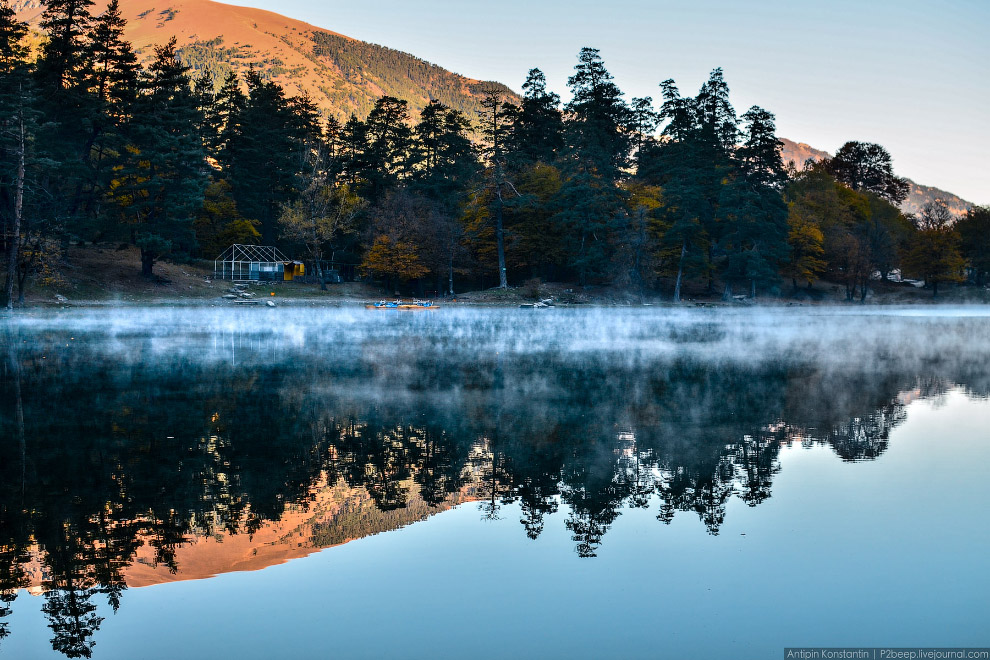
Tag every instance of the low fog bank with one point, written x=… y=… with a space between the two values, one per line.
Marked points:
x=163 y=335
x=812 y=366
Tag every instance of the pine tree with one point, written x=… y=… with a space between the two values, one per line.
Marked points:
x=22 y=161
x=752 y=210
x=716 y=117
x=679 y=165
x=974 y=237
x=14 y=135
x=63 y=73
x=495 y=127
x=114 y=73
x=65 y=57
x=111 y=87
x=443 y=160
x=537 y=131
x=445 y=164
x=353 y=142
x=210 y=125
x=263 y=153
x=537 y=242
x=691 y=165
x=384 y=161
x=13 y=51
x=644 y=122
x=598 y=119
x=160 y=185
x=596 y=153
x=222 y=116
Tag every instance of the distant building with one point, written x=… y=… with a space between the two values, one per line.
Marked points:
x=265 y=263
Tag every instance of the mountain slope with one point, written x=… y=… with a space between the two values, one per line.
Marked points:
x=799 y=153
x=341 y=75
x=918 y=195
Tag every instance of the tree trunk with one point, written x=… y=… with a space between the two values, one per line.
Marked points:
x=21 y=281
x=680 y=273
x=934 y=288
x=319 y=273
x=503 y=282
x=711 y=272
x=727 y=292
x=450 y=276
x=14 y=248
x=752 y=289
x=147 y=263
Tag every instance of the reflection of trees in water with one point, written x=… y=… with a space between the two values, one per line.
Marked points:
x=12 y=578
x=383 y=457
x=113 y=459
x=864 y=438
x=69 y=592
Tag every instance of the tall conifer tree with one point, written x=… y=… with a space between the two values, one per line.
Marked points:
x=596 y=153
x=753 y=211
x=537 y=132
x=160 y=185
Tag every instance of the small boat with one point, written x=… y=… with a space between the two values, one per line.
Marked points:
x=399 y=304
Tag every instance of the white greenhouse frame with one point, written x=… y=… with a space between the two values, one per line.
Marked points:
x=246 y=263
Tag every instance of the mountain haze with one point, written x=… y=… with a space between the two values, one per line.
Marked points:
x=342 y=75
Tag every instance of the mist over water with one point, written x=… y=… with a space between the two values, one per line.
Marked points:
x=827 y=335
x=131 y=435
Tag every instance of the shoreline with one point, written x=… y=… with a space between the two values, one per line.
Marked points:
x=350 y=303
x=101 y=278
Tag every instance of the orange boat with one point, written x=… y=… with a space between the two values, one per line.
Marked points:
x=398 y=304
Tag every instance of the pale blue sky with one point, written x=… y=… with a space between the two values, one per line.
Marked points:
x=913 y=76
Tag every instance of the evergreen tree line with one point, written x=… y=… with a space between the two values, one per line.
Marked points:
x=97 y=148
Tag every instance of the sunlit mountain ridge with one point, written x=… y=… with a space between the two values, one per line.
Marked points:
x=342 y=75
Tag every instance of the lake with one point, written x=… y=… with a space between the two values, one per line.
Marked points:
x=492 y=483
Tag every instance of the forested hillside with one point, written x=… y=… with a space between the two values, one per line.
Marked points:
x=341 y=75
x=656 y=198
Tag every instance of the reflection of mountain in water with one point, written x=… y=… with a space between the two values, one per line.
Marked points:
x=335 y=515
x=135 y=463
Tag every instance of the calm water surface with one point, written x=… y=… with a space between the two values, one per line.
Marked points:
x=351 y=483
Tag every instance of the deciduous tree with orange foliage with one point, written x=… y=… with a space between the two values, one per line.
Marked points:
x=394 y=260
